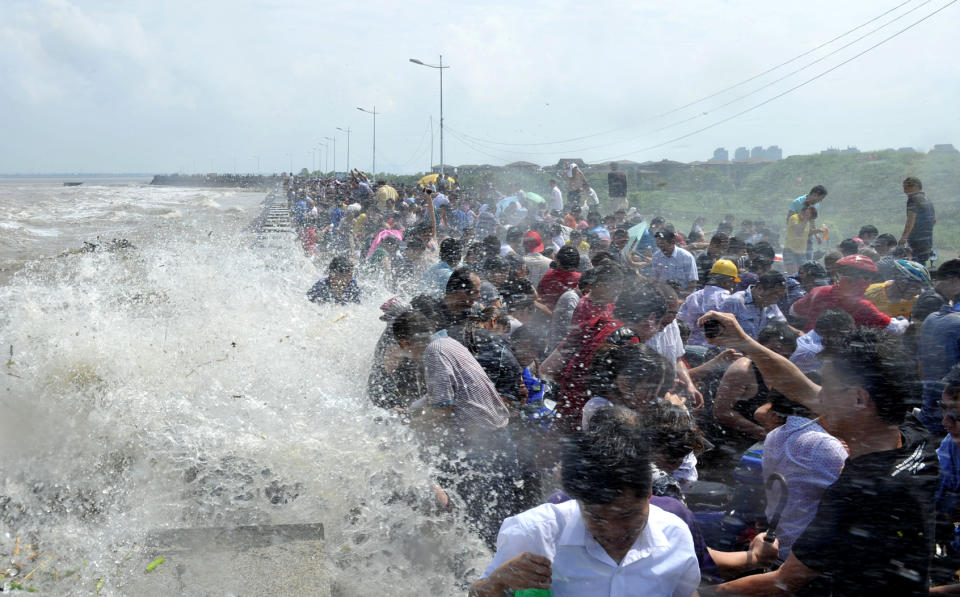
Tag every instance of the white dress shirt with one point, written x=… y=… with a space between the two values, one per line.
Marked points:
x=708 y=298
x=556 y=199
x=661 y=561
x=668 y=342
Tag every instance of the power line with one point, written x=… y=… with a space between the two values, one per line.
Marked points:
x=716 y=93
x=792 y=89
x=470 y=145
x=418 y=151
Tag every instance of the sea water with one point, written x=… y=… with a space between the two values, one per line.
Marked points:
x=186 y=382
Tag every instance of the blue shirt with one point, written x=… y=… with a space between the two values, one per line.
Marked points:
x=680 y=266
x=938 y=350
x=322 y=292
x=797 y=204
x=335 y=216
x=794 y=293
x=949 y=488
x=752 y=317
x=299 y=210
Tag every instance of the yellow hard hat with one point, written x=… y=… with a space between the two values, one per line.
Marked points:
x=725 y=267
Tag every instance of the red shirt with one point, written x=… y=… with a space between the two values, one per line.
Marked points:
x=554 y=283
x=822 y=298
x=581 y=344
x=588 y=310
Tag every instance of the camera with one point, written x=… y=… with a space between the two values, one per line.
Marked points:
x=712 y=328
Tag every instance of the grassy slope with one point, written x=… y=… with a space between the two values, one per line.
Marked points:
x=863 y=189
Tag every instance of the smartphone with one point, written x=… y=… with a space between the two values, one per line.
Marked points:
x=712 y=328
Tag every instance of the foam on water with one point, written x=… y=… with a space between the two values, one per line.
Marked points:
x=188 y=383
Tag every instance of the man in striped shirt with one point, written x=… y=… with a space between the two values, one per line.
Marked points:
x=465 y=416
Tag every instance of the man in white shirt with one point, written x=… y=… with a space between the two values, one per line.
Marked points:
x=592 y=199
x=607 y=541
x=670 y=262
x=556 y=198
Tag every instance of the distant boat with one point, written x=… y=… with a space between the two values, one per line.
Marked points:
x=72 y=184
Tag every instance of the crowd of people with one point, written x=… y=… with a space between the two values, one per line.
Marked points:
x=617 y=408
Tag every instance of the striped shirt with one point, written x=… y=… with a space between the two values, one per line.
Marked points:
x=455 y=378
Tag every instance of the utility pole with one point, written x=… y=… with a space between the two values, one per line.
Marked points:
x=439 y=67
x=374 y=113
x=347 y=131
x=334 y=139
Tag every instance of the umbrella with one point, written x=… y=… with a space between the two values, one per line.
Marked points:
x=534 y=197
x=636 y=233
x=432 y=179
x=503 y=203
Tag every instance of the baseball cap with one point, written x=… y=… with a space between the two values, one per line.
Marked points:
x=666 y=233
x=817 y=270
x=947 y=269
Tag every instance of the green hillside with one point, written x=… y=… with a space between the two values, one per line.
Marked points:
x=863 y=188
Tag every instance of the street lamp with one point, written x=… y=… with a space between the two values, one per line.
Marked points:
x=440 y=68
x=347 y=131
x=374 y=113
x=334 y=139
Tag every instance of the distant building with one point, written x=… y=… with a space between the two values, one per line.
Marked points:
x=835 y=150
x=721 y=154
x=906 y=150
x=521 y=165
x=758 y=153
x=774 y=153
x=944 y=148
x=741 y=154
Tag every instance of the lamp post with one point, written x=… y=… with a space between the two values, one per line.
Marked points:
x=347 y=131
x=440 y=68
x=290 y=155
x=374 y=113
x=334 y=139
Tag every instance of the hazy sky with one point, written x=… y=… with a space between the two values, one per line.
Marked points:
x=145 y=86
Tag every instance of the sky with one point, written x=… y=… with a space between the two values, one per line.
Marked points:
x=242 y=85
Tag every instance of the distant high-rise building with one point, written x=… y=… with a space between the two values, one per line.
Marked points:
x=721 y=154
x=774 y=153
x=758 y=153
x=741 y=154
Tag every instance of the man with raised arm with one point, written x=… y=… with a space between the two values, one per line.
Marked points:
x=873 y=530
